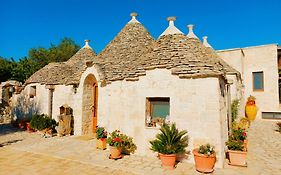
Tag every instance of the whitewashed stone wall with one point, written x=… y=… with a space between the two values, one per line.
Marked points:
x=195 y=105
x=41 y=97
x=254 y=59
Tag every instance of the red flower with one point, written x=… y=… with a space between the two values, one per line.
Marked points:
x=244 y=134
x=118 y=130
x=117 y=140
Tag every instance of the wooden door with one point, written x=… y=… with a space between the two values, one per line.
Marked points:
x=95 y=106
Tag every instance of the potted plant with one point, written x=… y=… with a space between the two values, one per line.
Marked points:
x=251 y=108
x=169 y=142
x=101 y=138
x=236 y=148
x=205 y=158
x=115 y=143
x=128 y=146
x=44 y=124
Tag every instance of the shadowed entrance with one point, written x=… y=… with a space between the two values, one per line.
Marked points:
x=90 y=105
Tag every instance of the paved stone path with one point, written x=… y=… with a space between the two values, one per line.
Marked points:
x=264 y=155
x=70 y=155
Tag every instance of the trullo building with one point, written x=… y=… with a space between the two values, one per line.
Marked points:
x=138 y=81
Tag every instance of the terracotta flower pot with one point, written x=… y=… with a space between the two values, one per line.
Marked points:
x=101 y=144
x=251 y=111
x=28 y=127
x=204 y=163
x=168 y=160
x=237 y=158
x=115 y=152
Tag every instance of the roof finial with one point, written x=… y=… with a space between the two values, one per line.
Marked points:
x=171 y=28
x=87 y=43
x=190 y=33
x=205 y=42
x=134 y=19
x=171 y=20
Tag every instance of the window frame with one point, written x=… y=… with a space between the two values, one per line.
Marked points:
x=148 y=108
x=253 y=81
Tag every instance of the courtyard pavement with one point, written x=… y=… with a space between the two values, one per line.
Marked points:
x=30 y=153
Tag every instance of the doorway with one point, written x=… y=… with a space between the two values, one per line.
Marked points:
x=89 y=105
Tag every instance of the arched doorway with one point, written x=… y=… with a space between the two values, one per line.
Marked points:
x=90 y=105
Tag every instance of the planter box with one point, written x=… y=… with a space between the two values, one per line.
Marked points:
x=237 y=158
x=101 y=144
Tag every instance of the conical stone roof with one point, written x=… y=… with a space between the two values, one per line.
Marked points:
x=186 y=57
x=121 y=57
x=64 y=73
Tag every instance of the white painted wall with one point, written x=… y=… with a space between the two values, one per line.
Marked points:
x=253 y=59
x=194 y=105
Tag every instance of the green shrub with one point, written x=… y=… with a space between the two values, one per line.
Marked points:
x=41 y=122
x=101 y=132
x=234 y=109
x=206 y=149
x=170 y=140
x=236 y=145
x=236 y=139
x=115 y=139
x=128 y=146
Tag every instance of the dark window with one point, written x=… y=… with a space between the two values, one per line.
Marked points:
x=157 y=110
x=258 y=84
x=32 y=92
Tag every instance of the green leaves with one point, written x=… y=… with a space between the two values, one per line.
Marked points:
x=41 y=122
x=170 y=140
x=37 y=58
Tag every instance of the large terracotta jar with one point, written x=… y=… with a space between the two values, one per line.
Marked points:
x=115 y=152
x=101 y=143
x=168 y=160
x=251 y=108
x=237 y=158
x=204 y=163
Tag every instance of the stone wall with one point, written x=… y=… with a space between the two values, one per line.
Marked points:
x=194 y=105
x=253 y=59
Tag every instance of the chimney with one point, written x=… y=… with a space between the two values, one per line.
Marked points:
x=134 y=19
x=190 y=33
x=205 y=42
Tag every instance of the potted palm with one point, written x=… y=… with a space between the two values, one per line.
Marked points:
x=115 y=143
x=169 y=142
x=236 y=148
x=205 y=158
x=101 y=138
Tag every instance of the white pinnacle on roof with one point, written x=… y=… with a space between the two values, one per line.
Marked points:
x=134 y=19
x=87 y=44
x=171 y=29
x=205 y=42
x=190 y=33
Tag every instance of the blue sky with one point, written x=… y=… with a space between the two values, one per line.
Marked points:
x=26 y=24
